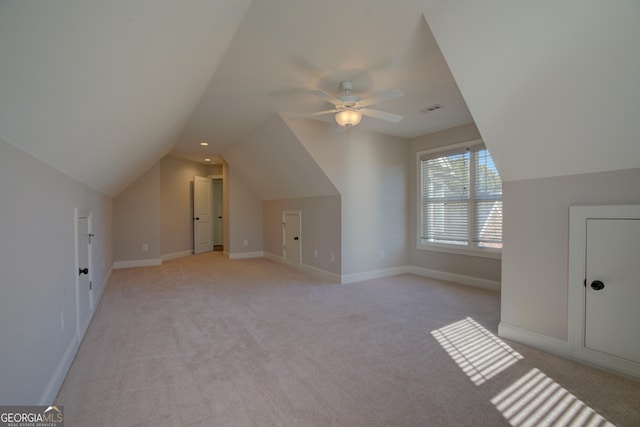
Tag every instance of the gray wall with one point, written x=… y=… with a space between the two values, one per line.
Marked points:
x=137 y=218
x=157 y=209
x=321 y=230
x=536 y=243
x=244 y=217
x=176 y=203
x=483 y=268
x=370 y=172
x=37 y=265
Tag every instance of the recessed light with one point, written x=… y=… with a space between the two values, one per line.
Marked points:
x=207 y=160
x=204 y=144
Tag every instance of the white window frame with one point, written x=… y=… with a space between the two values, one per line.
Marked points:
x=442 y=247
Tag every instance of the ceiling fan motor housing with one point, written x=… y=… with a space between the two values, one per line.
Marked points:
x=347 y=99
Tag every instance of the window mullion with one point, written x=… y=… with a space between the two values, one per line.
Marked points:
x=472 y=197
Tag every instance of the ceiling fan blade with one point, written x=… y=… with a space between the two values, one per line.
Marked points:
x=384 y=96
x=382 y=115
x=326 y=96
x=319 y=113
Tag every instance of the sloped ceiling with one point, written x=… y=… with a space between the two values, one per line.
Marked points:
x=284 y=48
x=100 y=90
x=554 y=87
x=275 y=165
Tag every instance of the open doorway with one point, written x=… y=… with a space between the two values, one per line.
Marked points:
x=207 y=214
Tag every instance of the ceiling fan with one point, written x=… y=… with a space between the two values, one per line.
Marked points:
x=349 y=108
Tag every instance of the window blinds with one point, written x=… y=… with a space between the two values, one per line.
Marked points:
x=487 y=201
x=445 y=198
x=461 y=196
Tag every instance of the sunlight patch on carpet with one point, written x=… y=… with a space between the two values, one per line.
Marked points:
x=537 y=400
x=478 y=352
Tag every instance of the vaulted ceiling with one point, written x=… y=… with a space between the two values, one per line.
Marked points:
x=101 y=90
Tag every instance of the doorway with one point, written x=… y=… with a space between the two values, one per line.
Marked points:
x=292 y=237
x=202 y=215
x=604 y=286
x=207 y=214
x=83 y=270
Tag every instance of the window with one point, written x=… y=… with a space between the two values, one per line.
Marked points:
x=460 y=198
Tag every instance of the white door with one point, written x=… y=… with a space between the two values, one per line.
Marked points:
x=291 y=237
x=217 y=212
x=612 y=316
x=84 y=303
x=202 y=207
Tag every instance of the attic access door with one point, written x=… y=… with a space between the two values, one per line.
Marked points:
x=612 y=287
x=202 y=213
x=291 y=237
x=604 y=286
x=83 y=270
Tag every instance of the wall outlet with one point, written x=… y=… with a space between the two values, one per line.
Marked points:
x=333 y=257
x=145 y=247
x=245 y=242
x=381 y=254
x=62 y=321
x=315 y=253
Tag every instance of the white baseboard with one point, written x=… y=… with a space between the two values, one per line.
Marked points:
x=491 y=285
x=534 y=339
x=174 y=255
x=393 y=271
x=314 y=271
x=375 y=274
x=273 y=257
x=244 y=255
x=103 y=286
x=55 y=383
x=321 y=274
x=137 y=263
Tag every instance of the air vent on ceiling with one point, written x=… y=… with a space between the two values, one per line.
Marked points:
x=431 y=108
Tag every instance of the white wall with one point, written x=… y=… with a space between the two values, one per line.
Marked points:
x=536 y=243
x=37 y=283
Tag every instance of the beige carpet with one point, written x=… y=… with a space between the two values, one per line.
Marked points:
x=207 y=341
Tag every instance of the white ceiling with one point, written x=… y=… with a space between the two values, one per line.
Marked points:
x=284 y=48
x=553 y=86
x=101 y=90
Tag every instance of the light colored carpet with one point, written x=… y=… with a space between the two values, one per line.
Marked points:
x=207 y=341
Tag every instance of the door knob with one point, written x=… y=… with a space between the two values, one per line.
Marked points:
x=295 y=238
x=597 y=285
x=197 y=218
x=82 y=271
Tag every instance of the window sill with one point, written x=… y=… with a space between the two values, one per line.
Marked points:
x=481 y=253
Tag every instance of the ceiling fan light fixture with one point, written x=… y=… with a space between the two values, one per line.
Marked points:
x=348 y=118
